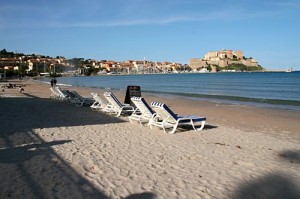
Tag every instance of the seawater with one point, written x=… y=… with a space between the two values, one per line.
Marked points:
x=267 y=89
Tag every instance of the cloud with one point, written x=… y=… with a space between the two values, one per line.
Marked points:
x=288 y=4
x=128 y=22
x=231 y=14
x=90 y=13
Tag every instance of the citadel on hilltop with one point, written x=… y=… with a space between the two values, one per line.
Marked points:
x=224 y=60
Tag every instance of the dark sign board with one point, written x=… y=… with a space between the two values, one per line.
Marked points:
x=132 y=91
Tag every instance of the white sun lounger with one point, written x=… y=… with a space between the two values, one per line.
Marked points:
x=68 y=96
x=54 y=94
x=74 y=99
x=84 y=100
x=99 y=103
x=62 y=94
x=142 y=113
x=115 y=107
x=169 y=120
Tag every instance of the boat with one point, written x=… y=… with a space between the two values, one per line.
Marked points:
x=289 y=70
x=45 y=74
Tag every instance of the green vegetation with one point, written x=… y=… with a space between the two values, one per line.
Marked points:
x=240 y=67
x=6 y=54
x=209 y=68
x=91 y=70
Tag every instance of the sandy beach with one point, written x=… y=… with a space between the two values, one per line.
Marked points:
x=51 y=149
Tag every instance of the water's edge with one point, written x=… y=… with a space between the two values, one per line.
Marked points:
x=276 y=90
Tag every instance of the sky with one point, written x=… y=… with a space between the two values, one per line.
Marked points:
x=155 y=30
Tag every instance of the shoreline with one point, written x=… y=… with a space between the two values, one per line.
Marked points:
x=50 y=149
x=217 y=113
x=293 y=105
x=227 y=114
x=211 y=108
x=229 y=100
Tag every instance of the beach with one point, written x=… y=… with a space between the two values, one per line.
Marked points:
x=51 y=149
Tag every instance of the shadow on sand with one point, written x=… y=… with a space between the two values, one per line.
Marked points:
x=187 y=128
x=291 y=156
x=29 y=164
x=19 y=114
x=275 y=186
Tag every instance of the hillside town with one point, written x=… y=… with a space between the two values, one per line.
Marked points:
x=12 y=64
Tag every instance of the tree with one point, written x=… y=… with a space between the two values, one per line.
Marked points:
x=3 y=52
x=209 y=68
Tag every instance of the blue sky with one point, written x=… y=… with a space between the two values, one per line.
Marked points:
x=159 y=30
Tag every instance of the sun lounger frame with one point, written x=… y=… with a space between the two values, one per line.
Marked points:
x=167 y=119
x=115 y=107
x=143 y=112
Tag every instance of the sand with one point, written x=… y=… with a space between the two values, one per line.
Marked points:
x=51 y=149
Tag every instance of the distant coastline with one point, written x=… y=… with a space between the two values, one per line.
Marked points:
x=20 y=65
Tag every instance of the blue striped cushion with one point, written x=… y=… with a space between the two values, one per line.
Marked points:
x=170 y=112
x=136 y=98
x=157 y=104
x=109 y=94
x=162 y=105
x=146 y=105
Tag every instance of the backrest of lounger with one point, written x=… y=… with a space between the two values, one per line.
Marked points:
x=70 y=94
x=54 y=92
x=61 y=93
x=77 y=95
x=142 y=105
x=93 y=94
x=164 y=111
x=113 y=99
x=98 y=99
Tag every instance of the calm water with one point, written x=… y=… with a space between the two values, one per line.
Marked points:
x=281 y=90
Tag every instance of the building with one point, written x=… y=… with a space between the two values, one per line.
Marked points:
x=222 y=58
x=197 y=64
x=212 y=55
x=239 y=54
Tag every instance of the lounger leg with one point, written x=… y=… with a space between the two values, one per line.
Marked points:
x=95 y=106
x=173 y=128
x=202 y=126
x=192 y=123
x=152 y=120
x=119 y=113
x=78 y=104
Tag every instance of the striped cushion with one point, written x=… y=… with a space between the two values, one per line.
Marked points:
x=109 y=94
x=146 y=105
x=143 y=101
x=157 y=104
x=165 y=107
x=136 y=98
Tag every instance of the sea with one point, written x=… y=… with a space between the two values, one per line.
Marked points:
x=262 y=89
